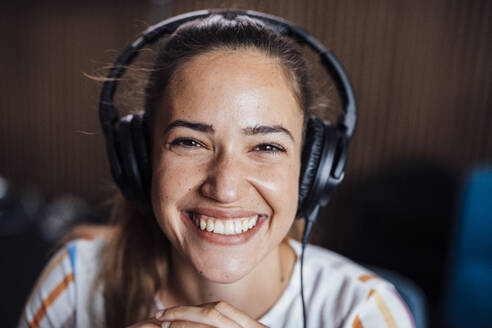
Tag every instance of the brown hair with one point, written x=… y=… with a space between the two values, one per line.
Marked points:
x=227 y=32
x=133 y=265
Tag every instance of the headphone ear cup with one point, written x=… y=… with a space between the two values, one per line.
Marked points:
x=142 y=151
x=326 y=182
x=131 y=184
x=311 y=153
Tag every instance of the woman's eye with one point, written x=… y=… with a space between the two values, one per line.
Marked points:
x=186 y=142
x=270 y=148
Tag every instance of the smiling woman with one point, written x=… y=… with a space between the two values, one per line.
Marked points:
x=227 y=107
x=236 y=170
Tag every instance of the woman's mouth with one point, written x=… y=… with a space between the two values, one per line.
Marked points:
x=223 y=227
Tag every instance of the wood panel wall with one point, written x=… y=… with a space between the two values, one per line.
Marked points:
x=49 y=132
x=420 y=70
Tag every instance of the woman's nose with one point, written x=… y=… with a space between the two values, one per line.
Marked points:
x=226 y=179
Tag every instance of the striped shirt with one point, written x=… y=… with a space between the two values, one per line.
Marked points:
x=62 y=296
x=338 y=293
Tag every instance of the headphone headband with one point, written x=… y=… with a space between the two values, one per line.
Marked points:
x=346 y=123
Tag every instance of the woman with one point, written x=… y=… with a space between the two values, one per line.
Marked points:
x=226 y=107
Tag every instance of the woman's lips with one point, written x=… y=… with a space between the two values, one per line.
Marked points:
x=224 y=214
x=224 y=227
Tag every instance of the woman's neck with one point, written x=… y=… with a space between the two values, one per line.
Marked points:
x=264 y=284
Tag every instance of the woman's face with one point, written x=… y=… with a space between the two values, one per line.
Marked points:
x=226 y=161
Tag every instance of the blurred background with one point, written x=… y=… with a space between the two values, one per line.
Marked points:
x=417 y=186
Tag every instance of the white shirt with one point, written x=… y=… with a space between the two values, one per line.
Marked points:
x=338 y=293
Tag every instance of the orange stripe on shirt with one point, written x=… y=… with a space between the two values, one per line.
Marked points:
x=45 y=273
x=34 y=323
x=370 y=293
x=385 y=311
x=357 y=323
x=367 y=277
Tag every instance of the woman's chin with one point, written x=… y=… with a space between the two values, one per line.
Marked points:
x=223 y=273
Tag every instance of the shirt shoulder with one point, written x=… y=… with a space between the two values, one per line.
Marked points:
x=55 y=297
x=343 y=293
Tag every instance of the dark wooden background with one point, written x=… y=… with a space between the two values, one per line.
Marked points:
x=420 y=69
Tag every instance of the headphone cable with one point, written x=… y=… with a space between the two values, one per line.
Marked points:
x=302 y=288
x=311 y=218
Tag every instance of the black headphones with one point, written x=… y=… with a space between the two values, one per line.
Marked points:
x=324 y=152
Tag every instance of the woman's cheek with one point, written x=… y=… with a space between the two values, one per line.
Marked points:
x=175 y=179
x=279 y=187
x=170 y=185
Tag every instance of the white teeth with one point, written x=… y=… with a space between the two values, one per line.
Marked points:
x=244 y=225
x=237 y=226
x=219 y=227
x=252 y=222
x=229 y=228
x=210 y=225
x=224 y=227
x=203 y=223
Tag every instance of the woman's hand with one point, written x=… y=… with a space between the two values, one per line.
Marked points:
x=151 y=323
x=217 y=314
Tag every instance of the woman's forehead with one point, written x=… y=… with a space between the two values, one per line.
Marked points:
x=237 y=65
x=239 y=84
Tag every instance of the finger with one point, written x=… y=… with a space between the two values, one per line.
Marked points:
x=151 y=323
x=183 y=324
x=239 y=316
x=207 y=315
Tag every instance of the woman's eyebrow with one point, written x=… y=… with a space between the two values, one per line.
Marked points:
x=265 y=129
x=190 y=125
